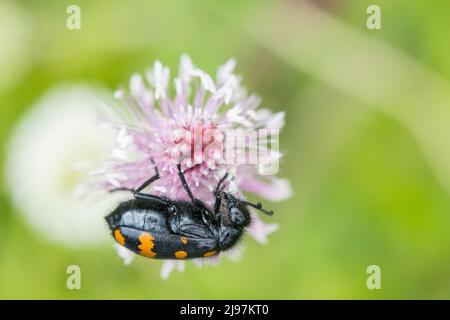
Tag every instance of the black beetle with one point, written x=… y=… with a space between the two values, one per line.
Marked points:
x=162 y=228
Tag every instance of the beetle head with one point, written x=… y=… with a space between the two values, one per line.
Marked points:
x=238 y=214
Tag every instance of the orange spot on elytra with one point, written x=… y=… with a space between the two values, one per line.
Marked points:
x=184 y=240
x=119 y=237
x=209 y=253
x=180 y=254
x=146 y=245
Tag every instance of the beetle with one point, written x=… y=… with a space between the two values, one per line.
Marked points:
x=162 y=228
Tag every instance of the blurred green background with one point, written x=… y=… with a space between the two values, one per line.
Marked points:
x=367 y=140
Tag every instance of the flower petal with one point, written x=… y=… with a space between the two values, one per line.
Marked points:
x=126 y=254
x=276 y=189
x=168 y=266
x=259 y=230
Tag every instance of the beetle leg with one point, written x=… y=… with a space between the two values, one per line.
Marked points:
x=151 y=197
x=217 y=216
x=148 y=182
x=145 y=196
x=206 y=214
x=143 y=186
x=218 y=195
x=218 y=202
x=206 y=217
x=222 y=180
x=184 y=183
x=121 y=189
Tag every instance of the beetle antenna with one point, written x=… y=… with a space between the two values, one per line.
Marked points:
x=258 y=206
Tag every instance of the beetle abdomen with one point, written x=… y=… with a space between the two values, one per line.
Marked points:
x=164 y=245
x=135 y=215
x=144 y=230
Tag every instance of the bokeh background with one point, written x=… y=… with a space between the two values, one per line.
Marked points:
x=367 y=142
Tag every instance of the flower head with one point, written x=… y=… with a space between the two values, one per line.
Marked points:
x=210 y=127
x=43 y=168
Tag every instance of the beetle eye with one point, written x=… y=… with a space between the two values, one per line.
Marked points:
x=236 y=216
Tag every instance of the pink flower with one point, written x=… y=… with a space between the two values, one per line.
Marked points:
x=192 y=128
